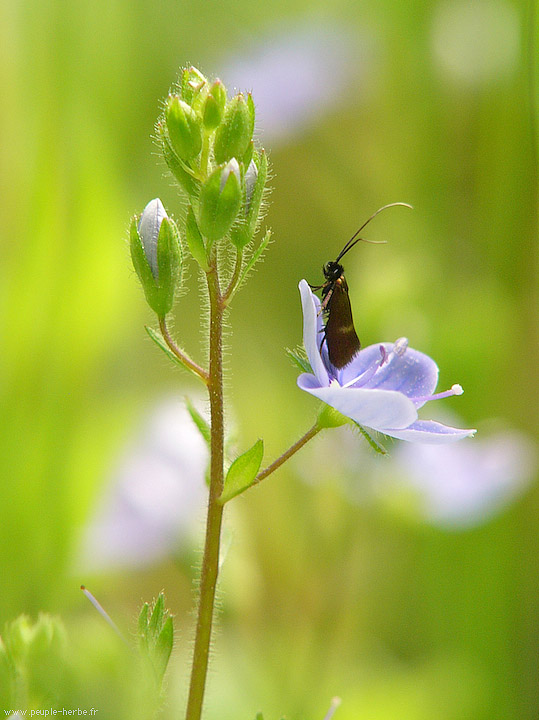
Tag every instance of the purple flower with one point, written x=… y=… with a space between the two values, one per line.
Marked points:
x=151 y=507
x=464 y=485
x=381 y=388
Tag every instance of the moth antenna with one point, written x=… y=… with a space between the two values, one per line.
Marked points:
x=355 y=239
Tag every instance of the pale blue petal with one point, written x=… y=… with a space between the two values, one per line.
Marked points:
x=377 y=409
x=413 y=373
x=148 y=227
x=364 y=359
x=429 y=431
x=312 y=322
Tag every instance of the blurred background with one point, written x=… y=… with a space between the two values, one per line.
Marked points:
x=408 y=586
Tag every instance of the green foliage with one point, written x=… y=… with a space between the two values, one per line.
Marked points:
x=32 y=661
x=201 y=423
x=156 y=636
x=243 y=471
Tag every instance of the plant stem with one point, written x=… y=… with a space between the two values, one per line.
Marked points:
x=288 y=454
x=235 y=277
x=182 y=357
x=210 y=562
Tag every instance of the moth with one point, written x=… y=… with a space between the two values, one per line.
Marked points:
x=339 y=332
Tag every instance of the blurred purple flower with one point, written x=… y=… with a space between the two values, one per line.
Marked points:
x=454 y=486
x=297 y=73
x=463 y=485
x=153 y=502
x=381 y=388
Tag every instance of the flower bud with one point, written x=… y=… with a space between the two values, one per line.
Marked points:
x=220 y=201
x=184 y=128
x=233 y=136
x=186 y=180
x=255 y=181
x=214 y=106
x=191 y=82
x=156 y=256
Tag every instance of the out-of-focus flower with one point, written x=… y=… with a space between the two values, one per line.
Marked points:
x=299 y=72
x=153 y=502
x=455 y=486
x=381 y=388
x=463 y=485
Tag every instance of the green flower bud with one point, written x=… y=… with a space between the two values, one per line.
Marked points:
x=220 y=201
x=175 y=165
x=214 y=106
x=156 y=256
x=255 y=181
x=233 y=136
x=184 y=128
x=191 y=82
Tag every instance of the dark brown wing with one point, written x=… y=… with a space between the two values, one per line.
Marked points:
x=341 y=338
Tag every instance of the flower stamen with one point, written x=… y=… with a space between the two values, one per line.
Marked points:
x=454 y=390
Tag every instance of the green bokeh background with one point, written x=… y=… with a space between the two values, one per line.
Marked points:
x=319 y=597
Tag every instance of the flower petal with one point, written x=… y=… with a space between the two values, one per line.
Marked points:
x=429 y=431
x=312 y=323
x=377 y=409
x=412 y=373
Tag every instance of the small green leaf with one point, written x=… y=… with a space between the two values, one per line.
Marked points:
x=163 y=646
x=201 y=422
x=328 y=417
x=300 y=360
x=375 y=445
x=242 y=472
x=156 y=620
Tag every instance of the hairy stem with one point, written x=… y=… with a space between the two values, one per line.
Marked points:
x=182 y=357
x=288 y=454
x=235 y=276
x=210 y=562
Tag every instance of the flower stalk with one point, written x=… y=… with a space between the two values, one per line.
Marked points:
x=210 y=562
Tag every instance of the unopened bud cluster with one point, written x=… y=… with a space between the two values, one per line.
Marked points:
x=207 y=142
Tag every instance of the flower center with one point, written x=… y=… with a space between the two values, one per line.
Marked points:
x=398 y=350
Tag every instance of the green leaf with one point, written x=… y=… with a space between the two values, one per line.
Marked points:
x=375 y=445
x=201 y=422
x=156 y=619
x=163 y=646
x=300 y=359
x=242 y=472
